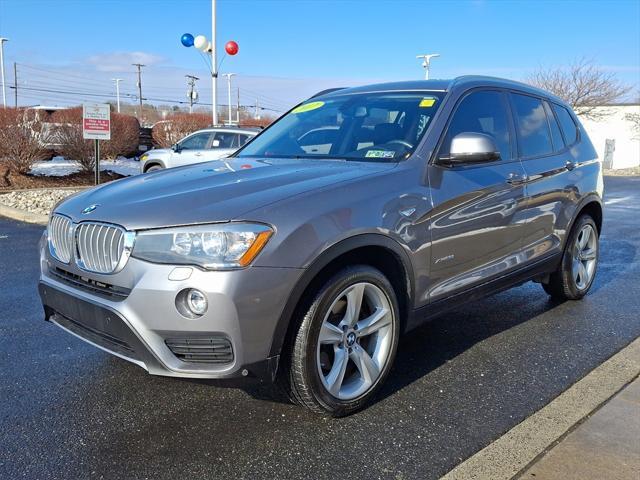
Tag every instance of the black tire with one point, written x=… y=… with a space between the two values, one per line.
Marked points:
x=299 y=375
x=562 y=285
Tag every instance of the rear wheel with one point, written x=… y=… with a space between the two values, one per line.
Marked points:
x=577 y=270
x=344 y=347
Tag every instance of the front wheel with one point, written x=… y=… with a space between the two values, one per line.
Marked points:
x=345 y=346
x=577 y=270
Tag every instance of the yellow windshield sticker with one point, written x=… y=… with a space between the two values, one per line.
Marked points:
x=307 y=107
x=427 y=102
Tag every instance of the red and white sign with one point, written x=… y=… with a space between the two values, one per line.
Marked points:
x=96 y=121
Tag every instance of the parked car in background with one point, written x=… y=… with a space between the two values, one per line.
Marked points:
x=201 y=146
x=354 y=218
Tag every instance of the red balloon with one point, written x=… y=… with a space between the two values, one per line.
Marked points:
x=231 y=47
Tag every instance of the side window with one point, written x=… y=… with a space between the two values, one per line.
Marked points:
x=196 y=142
x=531 y=122
x=481 y=112
x=242 y=139
x=224 y=140
x=568 y=125
x=556 y=136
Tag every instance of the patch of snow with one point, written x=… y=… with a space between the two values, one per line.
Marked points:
x=60 y=167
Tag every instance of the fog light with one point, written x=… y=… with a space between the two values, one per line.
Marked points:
x=197 y=302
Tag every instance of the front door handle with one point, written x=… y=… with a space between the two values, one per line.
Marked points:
x=570 y=165
x=516 y=178
x=198 y=154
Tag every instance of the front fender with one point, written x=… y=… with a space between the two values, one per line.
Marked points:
x=325 y=258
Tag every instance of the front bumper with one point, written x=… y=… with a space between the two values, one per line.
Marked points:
x=137 y=315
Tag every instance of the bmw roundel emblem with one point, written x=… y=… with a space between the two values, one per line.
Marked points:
x=90 y=208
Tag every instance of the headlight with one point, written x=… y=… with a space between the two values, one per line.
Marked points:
x=144 y=157
x=220 y=246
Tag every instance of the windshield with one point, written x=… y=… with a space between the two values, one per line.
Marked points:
x=377 y=127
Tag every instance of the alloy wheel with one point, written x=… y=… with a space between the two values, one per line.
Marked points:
x=584 y=257
x=355 y=341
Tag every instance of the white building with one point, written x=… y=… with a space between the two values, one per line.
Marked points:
x=616 y=136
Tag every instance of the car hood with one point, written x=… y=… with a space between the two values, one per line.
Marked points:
x=215 y=191
x=159 y=152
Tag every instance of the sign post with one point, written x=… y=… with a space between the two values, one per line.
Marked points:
x=96 y=125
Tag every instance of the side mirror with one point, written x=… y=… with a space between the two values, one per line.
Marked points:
x=176 y=147
x=471 y=147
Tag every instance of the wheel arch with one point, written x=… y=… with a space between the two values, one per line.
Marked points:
x=376 y=250
x=591 y=204
x=152 y=163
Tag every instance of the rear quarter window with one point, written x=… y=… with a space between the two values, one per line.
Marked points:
x=531 y=122
x=569 y=127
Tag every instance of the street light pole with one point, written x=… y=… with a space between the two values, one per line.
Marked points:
x=117 y=80
x=4 y=92
x=229 y=75
x=426 y=63
x=214 y=67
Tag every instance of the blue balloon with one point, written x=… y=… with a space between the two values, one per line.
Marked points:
x=187 y=40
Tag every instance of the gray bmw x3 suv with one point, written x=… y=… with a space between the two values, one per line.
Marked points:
x=354 y=218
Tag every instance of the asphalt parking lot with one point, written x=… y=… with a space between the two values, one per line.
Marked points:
x=68 y=410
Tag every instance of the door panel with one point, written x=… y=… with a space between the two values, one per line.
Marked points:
x=550 y=186
x=193 y=149
x=477 y=225
x=477 y=222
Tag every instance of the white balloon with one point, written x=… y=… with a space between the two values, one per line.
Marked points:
x=201 y=42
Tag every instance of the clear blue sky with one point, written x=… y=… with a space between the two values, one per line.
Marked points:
x=290 y=48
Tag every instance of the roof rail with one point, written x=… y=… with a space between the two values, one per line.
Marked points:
x=328 y=90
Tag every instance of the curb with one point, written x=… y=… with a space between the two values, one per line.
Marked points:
x=23 y=215
x=509 y=455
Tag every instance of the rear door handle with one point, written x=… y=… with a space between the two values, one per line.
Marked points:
x=516 y=178
x=570 y=165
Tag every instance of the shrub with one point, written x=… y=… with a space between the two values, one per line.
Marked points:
x=68 y=133
x=125 y=137
x=125 y=131
x=178 y=126
x=22 y=140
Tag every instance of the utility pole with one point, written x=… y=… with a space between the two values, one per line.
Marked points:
x=214 y=67
x=229 y=75
x=117 y=80
x=4 y=92
x=426 y=63
x=139 y=65
x=15 y=82
x=192 y=83
x=256 y=116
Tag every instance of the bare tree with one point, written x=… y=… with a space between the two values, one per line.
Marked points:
x=583 y=85
x=634 y=118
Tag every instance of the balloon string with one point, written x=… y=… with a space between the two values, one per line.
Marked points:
x=207 y=61
x=224 y=55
